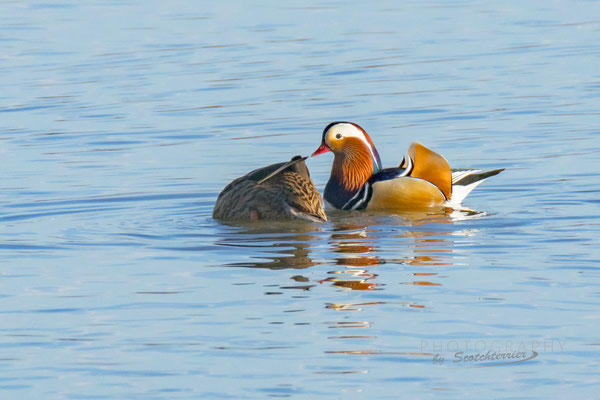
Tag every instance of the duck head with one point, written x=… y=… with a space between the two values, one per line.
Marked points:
x=355 y=156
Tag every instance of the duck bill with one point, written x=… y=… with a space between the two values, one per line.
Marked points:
x=323 y=148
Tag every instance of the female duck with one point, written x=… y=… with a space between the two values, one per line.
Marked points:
x=281 y=191
x=358 y=180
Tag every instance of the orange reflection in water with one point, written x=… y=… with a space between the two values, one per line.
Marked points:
x=359 y=261
x=353 y=243
x=423 y=283
x=360 y=247
x=422 y=261
x=359 y=306
x=362 y=283
x=428 y=248
x=356 y=285
x=357 y=243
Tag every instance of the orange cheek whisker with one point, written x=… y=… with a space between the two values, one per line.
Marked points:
x=353 y=167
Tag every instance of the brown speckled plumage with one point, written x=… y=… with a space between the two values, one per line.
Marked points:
x=282 y=191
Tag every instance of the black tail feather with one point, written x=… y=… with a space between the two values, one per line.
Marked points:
x=472 y=178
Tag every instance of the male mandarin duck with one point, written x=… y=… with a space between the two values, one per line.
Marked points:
x=358 y=181
x=281 y=191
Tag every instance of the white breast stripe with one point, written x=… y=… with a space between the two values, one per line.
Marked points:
x=364 y=198
x=353 y=197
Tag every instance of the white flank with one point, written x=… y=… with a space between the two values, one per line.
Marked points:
x=459 y=192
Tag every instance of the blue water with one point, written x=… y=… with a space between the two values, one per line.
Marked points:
x=120 y=122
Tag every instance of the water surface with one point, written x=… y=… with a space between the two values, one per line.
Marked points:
x=120 y=122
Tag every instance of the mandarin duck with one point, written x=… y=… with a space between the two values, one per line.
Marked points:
x=281 y=191
x=358 y=181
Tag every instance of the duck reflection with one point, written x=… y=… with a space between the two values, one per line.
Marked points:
x=275 y=245
x=416 y=246
x=361 y=245
x=357 y=243
x=363 y=240
x=351 y=306
x=360 y=281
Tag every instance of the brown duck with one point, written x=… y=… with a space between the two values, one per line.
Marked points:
x=282 y=191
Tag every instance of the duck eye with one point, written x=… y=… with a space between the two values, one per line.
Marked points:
x=338 y=136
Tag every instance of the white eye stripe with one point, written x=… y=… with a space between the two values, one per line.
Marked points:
x=349 y=130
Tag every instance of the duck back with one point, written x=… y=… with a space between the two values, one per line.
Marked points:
x=281 y=191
